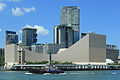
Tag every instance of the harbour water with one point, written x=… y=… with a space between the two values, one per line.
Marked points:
x=68 y=75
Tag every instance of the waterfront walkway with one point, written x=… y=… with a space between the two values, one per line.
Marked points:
x=69 y=67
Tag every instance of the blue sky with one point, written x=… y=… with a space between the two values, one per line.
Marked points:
x=100 y=16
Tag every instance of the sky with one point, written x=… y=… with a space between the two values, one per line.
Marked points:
x=100 y=16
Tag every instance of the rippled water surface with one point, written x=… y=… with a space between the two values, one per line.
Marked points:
x=69 y=75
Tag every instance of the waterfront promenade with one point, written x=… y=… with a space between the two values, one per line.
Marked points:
x=68 y=67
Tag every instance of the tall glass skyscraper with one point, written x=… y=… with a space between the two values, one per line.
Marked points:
x=11 y=37
x=70 y=16
x=29 y=36
x=63 y=35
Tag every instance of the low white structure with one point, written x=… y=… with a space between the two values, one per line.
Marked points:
x=109 y=61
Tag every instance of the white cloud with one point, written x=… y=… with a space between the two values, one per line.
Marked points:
x=2 y=6
x=14 y=0
x=0 y=29
x=27 y=10
x=17 y=11
x=40 y=29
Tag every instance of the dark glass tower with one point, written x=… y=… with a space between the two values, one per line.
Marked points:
x=63 y=35
x=70 y=17
x=29 y=36
x=11 y=37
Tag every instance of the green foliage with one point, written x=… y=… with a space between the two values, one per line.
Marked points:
x=55 y=62
x=63 y=63
x=67 y=63
x=113 y=64
x=2 y=63
x=52 y=62
x=42 y=62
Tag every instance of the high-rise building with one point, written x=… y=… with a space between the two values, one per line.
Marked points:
x=70 y=17
x=63 y=35
x=29 y=36
x=11 y=37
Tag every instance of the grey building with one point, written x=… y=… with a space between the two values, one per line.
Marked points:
x=63 y=35
x=38 y=48
x=45 y=48
x=29 y=36
x=112 y=52
x=51 y=48
x=11 y=37
x=70 y=16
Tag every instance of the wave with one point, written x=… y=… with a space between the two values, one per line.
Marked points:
x=28 y=73
x=114 y=73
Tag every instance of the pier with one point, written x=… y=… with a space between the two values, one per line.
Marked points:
x=68 y=67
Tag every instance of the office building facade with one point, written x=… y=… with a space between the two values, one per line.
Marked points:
x=112 y=52
x=38 y=48
x=45 y=48
x=51 y=48
x=63 y=35
x=11 y=37
x=29 y=36
x=70 y=17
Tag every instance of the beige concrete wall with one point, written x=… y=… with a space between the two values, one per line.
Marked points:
x=97 y=48
x=35 y=57
x=91 y=49
x=11 y=55
x=79 y=52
